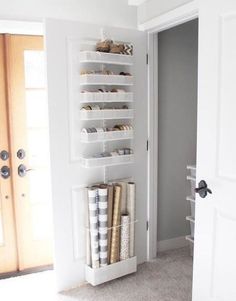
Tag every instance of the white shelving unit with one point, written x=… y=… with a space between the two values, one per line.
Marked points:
x=107 y=141
x=106 y=114
x=106 y=161
x=105 y=58
x=106 y=136
x=191 y=199
x=97 y=97
x=104 y=80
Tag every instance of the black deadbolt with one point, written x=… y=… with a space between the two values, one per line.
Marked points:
x=21 y=154
x=5 y=172
x=4 y=155
x=203 y=189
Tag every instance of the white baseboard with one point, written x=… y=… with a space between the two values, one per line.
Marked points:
x=171 y=244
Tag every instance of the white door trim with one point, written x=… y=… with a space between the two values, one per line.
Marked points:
x=21 y=27
x=176 y=17
x=172 y=18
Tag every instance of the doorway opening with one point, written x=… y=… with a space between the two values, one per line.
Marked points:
x=177 y=82
x=25 y=188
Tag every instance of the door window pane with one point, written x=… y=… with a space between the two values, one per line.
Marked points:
x=34 y=69
x=1 y=229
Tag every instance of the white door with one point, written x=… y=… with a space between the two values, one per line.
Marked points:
x=63 y=40
x=215 y=236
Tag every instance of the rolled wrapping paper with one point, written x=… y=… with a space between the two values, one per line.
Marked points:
x=123 y=207
x=131 y=211
x=93 y=225
x=109 y=221
x=124 y=237
x=115 y=237
x=102 y=225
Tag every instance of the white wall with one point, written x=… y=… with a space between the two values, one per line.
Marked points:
x=154 y=8
x=107 y=12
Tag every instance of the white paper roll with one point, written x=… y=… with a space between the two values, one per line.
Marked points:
x=125 y=227
x=131 y=211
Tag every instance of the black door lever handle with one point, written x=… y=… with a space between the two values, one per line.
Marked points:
x=202 y=189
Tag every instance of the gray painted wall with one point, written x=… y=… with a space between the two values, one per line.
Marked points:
x=178 y=52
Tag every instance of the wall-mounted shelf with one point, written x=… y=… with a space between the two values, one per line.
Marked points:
x=192 y=204
x=88 y=97
x=110 y=272
x=106 y=114
x=103 y=80
x=105 y=58
x=190 y=238
x=106 y=161
x=106 y=136
x=192 y=224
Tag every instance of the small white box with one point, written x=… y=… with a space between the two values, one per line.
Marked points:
x=110 y=272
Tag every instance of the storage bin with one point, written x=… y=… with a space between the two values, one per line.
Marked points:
x=106 y=161
x=103 y=79
x=106 y=136
x=192 y=224
x=110 y=272
x=192 y=204
x=105 y=58
x=88 y=97
x=106 y=114
x=193 y=185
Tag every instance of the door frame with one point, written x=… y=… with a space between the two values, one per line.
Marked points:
x=166 y=21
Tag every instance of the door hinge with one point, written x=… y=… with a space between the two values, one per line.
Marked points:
x=147 y=225
x=147 y=145
x=147 y=58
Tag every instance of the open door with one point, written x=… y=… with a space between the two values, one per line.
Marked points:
x=215 y=234
x=63 y=44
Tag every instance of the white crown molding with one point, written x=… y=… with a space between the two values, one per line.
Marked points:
x=136 y=2
x=21 y=27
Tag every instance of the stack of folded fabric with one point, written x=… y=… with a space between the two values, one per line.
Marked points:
x=111 y=218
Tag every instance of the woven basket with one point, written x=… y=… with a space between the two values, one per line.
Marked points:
x=104 y=46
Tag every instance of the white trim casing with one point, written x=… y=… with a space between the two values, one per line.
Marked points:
x=21 y=27
x=171 y=244
x=172 y=18
x=153 y=145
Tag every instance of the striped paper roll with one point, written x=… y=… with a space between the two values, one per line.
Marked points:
x=102 y=225
x=124 y=237
x=93 y=223
x=131 y=212
x=110 y=211
x=115 y=237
